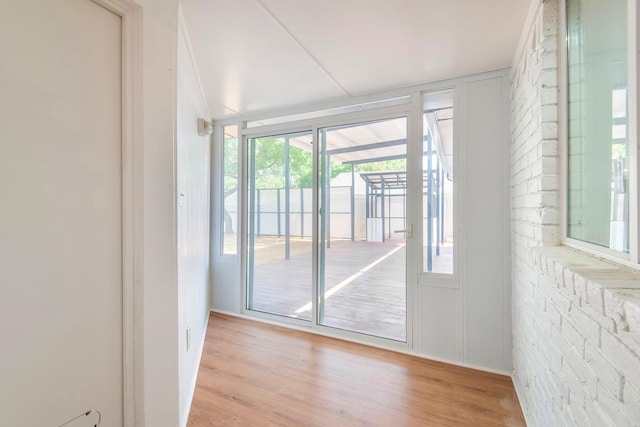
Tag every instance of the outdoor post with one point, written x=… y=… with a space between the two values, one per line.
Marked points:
x=353 y=202
x=367 y=209
x=429 y=206
x=442 y=206
x=438 y=219
x=382 y=213
x=328 y=211
x=258 y=213
x=287 y=207
x=389 y=213
x=301 y=212
x=278 y=211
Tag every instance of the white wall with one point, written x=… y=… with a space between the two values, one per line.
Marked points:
x=576 y=319
x=174 y=291
x=470 y=323
x=61 y=222
x=193 y=221
x=159 y=287
x=156 y=295
x=485 y=236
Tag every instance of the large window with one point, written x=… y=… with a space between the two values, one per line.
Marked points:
x=437 y=182
x=598 y=185
x=230 y=190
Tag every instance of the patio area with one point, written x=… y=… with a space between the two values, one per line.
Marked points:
x=364 y=284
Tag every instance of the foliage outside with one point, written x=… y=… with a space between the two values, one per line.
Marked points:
x=269 y=164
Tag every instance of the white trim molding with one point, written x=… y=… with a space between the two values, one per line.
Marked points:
x=132 y=209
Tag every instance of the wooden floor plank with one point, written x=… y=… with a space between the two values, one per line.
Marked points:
x=254 y=374
x=373 y=303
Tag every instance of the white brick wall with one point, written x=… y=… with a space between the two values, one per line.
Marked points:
x=576 y=319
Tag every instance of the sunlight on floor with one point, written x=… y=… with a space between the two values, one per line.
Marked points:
x=351 y=278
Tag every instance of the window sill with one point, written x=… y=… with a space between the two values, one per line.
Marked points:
x=611 y=290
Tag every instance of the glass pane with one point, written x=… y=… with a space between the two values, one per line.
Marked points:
x=362 y=267
x=437 y=182
x=279 y=258
x=230 y=188
x=598 y=197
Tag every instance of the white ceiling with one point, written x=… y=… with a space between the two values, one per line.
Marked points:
x=260 y=55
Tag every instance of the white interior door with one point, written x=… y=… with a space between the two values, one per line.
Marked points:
x=61 y=216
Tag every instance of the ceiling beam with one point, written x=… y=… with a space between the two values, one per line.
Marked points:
x=383 y=158
x=375 y=159
x=364 y=147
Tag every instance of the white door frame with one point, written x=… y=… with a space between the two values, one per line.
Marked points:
x=132 y=209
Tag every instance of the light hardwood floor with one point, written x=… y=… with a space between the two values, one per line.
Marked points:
x=254 y=374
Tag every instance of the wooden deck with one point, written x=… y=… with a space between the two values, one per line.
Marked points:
x=254 y=374
x=364 y=285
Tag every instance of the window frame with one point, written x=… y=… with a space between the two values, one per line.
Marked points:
x=631 y=259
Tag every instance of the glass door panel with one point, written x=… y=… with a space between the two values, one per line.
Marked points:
x=362 y=223
x=279 y=267
x=437 y=183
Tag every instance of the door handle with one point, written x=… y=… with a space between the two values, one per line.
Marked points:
x=408 y=231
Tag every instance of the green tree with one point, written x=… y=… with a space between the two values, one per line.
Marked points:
x=230 y=172
x=269 y=167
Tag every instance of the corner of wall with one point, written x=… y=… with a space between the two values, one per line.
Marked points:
x=159 y=292
x=571 y=364
x=535 y=207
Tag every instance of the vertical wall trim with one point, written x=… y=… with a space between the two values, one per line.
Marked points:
x=506 y=223
x=460 y=195
x=132 y=206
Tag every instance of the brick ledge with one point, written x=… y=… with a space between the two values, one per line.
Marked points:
x=610 y=289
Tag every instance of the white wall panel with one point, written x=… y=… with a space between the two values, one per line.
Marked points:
x=160 y=287
x=483 y=224
x=469 y=322
x=193 y=152
x=226 y=287
x=441 y=323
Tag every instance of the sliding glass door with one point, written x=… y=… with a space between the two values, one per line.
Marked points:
x=363 y=226
x=279 y=249
x=327 y=226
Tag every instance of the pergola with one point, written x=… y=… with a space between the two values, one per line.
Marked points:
x=378 y=141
